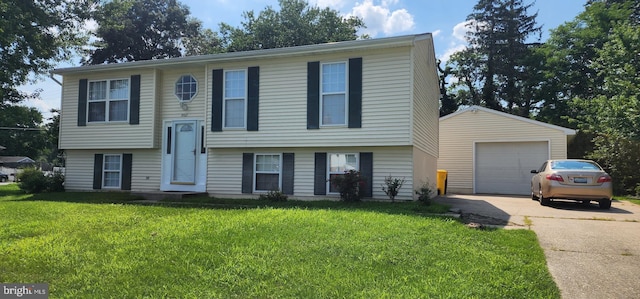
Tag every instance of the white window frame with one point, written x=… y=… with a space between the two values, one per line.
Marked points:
x=107 y=100
x=345 y=92
x=105 y=171
x=225 y=99
x=256 y=172
x=179 y=81
x=329 y=172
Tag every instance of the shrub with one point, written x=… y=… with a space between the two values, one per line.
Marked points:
x=348 y=184
x=391 y=186
x=55 y=183
x=32 y=180
x=274 y=195
x=424 y=194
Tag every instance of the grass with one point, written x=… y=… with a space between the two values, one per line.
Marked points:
x=102 y=247
x=629 y=199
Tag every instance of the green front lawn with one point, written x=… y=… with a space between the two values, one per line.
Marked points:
x=629 y=199
x=120 y=250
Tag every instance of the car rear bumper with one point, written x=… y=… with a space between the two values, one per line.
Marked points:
x=560 y=191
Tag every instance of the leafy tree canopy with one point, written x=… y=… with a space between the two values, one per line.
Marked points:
x=132 y=30
x=21 y=131
x=495 y=70
x=34 y=35
x=296 y=24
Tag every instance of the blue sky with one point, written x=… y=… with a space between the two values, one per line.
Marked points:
x=384 y=18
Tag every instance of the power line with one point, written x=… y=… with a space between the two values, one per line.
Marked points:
x=22 y=129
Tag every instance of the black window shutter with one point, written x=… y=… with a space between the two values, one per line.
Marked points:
x=134 y=100
x=355 y=93
x=320 y=174
x=253 y=96
x=216 y=100
x=366 y=172
x=97 y=171
x=127 y=161
x=247 y=173
x=82 y=102
x=313 y=95
x=168 y=140
x=287 y=172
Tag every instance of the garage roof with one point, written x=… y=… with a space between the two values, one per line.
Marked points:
x=472 y=109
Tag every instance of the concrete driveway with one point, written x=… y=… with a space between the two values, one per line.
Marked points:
x=591 y=253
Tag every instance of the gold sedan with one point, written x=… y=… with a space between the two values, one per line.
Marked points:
x=571 y=179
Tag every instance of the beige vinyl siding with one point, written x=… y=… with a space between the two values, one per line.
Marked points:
x=145 y=169
x=424 y=169
x=145 y=172
x=458 y=134
x=426 y=95
x=283 y=104
x=107 y=135
x=170 y=107
x=225 y=169
x=78 y=170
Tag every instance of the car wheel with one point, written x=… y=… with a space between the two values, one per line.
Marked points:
x=2 y=180
x=586 y=202
x=605 y=203
x=545 y=201
x=533 y=196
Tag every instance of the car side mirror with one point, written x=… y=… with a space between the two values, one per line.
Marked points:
x=534 y=171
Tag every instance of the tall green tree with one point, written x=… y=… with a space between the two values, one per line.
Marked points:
x=132 y=30
x=21 y=131
x=34 y=36
x=570 y=53
x=51 y=152
x=295 y=24
x=613 y=115
x=494 y=70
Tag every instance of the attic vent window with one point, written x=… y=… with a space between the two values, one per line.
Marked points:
x=186 y=88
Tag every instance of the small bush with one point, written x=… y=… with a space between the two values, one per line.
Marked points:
x=348 y=185
x=424 y=194
x=55 y=183
x=274 y=195
x=32 y=180
x=391 y=186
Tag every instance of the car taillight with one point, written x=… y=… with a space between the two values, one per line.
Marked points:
x=555 y=177
x=604 y=179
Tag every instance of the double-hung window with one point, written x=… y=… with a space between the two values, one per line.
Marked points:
x=333 y=106
x=108 y=100
x=112 y=171
x=339 y=164
x=235 y=99
x=267 y=172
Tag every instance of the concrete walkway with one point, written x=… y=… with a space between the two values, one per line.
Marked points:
x=591 y=253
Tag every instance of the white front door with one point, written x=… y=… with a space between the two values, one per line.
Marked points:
x=184 y=157
x=183 y=170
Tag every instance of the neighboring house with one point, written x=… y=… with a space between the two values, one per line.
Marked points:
x=487 y=151
x=11 y=164
x=243 y=123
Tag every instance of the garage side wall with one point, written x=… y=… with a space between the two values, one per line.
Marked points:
x=458 y=134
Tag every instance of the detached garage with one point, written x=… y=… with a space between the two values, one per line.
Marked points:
x=487 y=151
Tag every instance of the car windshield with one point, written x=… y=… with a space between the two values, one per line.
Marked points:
x=585 y=165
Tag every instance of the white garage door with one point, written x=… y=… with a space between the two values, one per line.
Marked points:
x=505 y=167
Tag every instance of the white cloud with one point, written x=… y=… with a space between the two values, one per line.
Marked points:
x=450 y=51
x=381 y=18
x=436 y=32
x=460 y=30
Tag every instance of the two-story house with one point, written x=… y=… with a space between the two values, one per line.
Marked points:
x=242 y=123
